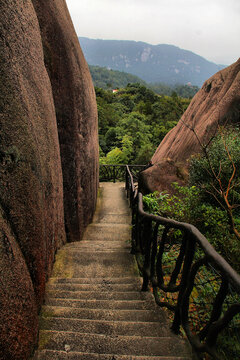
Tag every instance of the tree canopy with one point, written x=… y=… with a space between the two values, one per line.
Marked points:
x=133 y=121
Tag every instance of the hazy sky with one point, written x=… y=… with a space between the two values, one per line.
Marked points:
x=210 y=28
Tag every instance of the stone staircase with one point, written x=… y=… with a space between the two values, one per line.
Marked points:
x=94 y=308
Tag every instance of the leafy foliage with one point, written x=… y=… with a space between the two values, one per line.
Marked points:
x=193 y=204
x=134 y=120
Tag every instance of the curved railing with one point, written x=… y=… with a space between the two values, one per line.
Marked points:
x=188 y=277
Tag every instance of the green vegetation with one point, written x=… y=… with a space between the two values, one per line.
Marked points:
x=185 y=91
x=113 y=79
x=211 y=201
x=133 y=121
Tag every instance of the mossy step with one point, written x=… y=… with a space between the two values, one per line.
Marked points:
x=107 y=314
x=64 y=355
x=128 y=328
x=113 y=344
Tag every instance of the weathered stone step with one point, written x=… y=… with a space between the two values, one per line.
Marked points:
x=95 y=295
x=128 y=328
x=72 y=264
x=100 y=280
x=63 y=355
x=107 y=314
x=104 y=286
x=121 y=218
x=108 y=232
x=100 y=251
x=99 y=244
x=99 y=304
x=122 y=345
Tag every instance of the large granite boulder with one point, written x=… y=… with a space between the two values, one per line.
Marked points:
x=76 y=111
x=216 y=103
x=18 y=315
x=31 y=192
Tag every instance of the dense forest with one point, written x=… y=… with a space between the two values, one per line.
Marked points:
x=133 y=121
x=113 y=79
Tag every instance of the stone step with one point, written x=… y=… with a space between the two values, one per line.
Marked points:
x=63 y=355
x=95 y=295
x=115 y=344
x=100 y=251
x=94 y=264
x=98 y=304
x=128 y=328
x=107 y=314
x=75 y=264
x=108 y=232
x=121 y=218
x=94 y=309
x=104 y=286
x=100 y=280
x=99 y=244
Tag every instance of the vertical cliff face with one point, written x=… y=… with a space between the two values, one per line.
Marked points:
x=216 y=103
x=31 y=195
x=76 y=112
x=35 y=85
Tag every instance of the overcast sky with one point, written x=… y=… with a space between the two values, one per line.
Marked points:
x=210 y=28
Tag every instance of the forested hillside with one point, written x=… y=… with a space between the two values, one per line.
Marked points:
x=133 y=121
x=113 y=79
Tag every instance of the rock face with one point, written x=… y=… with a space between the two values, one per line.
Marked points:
x=32 y=225
x=215 y=104
x=31 y=195
x=76 y=111
x=18 y=315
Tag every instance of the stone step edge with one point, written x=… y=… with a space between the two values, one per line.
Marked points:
x=95 y=300
x=110 y=304
x=100 y=310
x=110 y=355
x=122 y=322
x=105 y=336
x=99 y=278
x=98 y=224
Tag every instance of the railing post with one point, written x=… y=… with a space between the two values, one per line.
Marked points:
x=190 y=250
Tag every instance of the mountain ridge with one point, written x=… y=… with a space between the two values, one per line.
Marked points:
x=153 y=63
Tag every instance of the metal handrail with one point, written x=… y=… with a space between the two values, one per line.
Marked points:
x=149 y=250
x=114 y=172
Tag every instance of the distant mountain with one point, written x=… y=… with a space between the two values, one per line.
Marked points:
x=152 y=63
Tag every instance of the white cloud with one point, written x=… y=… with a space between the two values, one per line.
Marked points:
x=210 y=28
